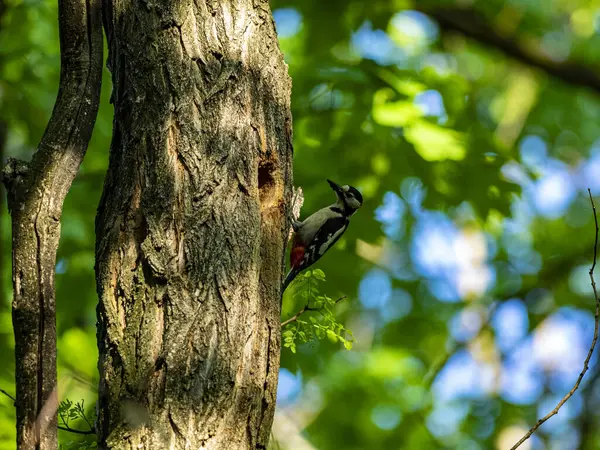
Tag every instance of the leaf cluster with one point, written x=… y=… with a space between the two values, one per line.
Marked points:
x=321 y=322
x=69 y=412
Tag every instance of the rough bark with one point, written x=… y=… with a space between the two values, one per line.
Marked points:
x=2 y=193
x=36 y=192
x=2 y=144
x=192 y=225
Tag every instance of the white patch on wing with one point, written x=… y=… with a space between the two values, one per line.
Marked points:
x=331 y=238
x=345 y=188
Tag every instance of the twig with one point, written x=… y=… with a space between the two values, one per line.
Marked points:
x=72 y=430
x=2 y=391
x=591 y=350
x=87 y=421
x=588 y=425
x=65 y=421
x=306 y=308
x=92 y=430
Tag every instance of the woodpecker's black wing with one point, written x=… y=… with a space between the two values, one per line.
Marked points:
x=323 y=240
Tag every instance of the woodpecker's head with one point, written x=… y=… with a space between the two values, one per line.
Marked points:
x=348 y=196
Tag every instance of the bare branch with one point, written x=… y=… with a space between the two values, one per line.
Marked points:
x=36 y=193
x=592 y=346
x=60 y=427
x=306 y=308
x=65 y=426
x=476 y=26
x=2 y=391
x=73 y=430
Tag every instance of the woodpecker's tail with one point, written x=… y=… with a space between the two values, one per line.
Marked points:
x=288 y=279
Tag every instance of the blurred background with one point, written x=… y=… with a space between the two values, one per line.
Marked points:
x=473 y=130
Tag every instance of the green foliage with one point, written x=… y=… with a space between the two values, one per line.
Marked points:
x=72 y=419
x=316 y=320
x=358 y=120
x=67 y=411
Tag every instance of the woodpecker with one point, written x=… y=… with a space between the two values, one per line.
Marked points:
x=317 y=233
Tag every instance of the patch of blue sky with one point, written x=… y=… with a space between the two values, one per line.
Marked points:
x=522 y=380
x=463 y=378
x=554 y=192
x=466 y=323
x=289 y=387
x=561 y=343
x=413 y=192
x=376 y=45
x=587 y=175
x=432 y=245
x=391 y=215
x=288 y=22
x=534 y=152
x=386 y=417
x=445 y=419
x=375 y=289
x=511 y=323
x=414 y=31
x=569 y=411
x=432 y=104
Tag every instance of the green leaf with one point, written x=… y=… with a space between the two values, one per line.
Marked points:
x=319 y=274
x=332 y=336
x=391 y=113
x=435 y=143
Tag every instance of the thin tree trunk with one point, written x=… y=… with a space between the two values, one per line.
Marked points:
x=2 y=193
x=192 y=225
x=36 y=192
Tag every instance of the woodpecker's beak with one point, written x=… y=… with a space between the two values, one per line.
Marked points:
x=336 y=187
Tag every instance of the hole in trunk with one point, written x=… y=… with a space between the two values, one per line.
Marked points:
x=266 y=183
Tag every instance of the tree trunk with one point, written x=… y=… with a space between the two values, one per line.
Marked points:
x=36 y=192
x=191 y=227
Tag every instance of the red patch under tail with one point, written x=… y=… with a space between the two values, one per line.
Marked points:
x=296 y=256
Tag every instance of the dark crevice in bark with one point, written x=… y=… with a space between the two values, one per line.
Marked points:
x=36 y=192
